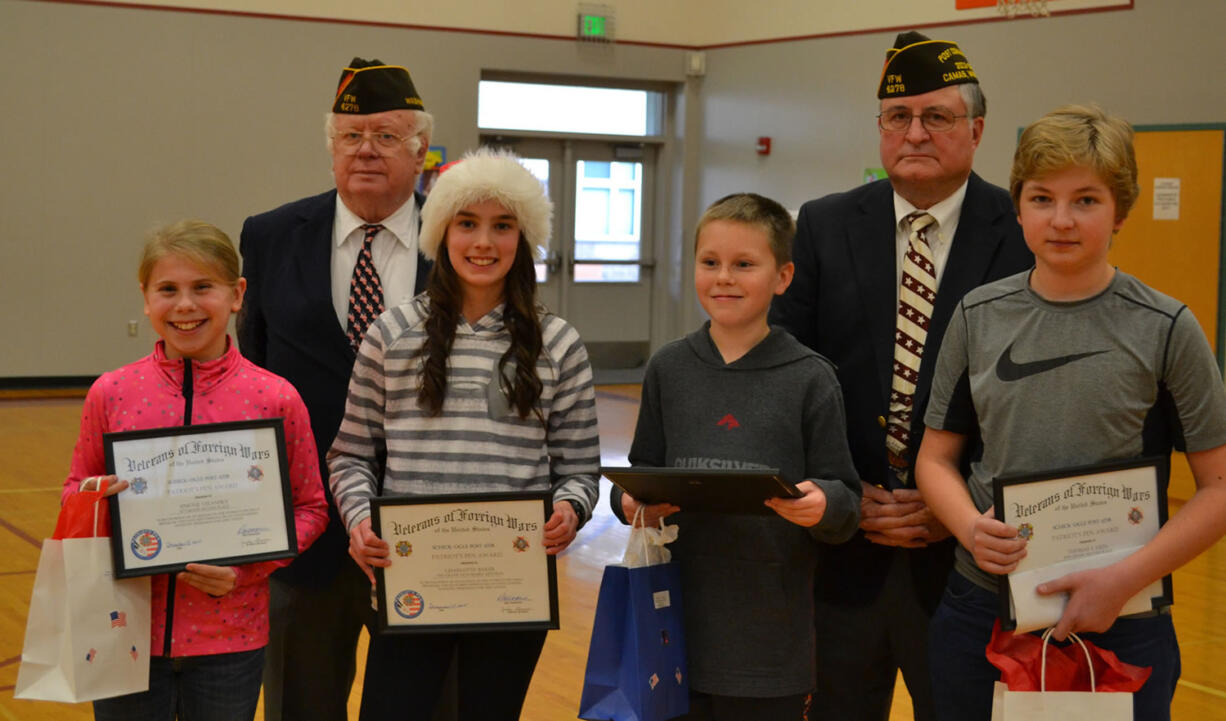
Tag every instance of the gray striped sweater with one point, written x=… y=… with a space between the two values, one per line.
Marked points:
x=478 y=443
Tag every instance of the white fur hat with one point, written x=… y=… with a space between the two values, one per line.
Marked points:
x=481 y=175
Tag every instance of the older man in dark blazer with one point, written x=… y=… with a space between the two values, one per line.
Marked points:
x=318 y=271
x=879 y=270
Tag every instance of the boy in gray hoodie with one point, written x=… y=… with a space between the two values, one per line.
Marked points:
x=738 y=394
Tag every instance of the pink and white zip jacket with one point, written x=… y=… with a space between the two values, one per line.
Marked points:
x=156 y=392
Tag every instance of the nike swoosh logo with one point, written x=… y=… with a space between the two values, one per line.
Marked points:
x=1009 y=370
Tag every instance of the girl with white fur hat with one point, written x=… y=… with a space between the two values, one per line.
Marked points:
x=470 y=387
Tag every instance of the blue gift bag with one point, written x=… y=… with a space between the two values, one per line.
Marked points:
x=636 y=661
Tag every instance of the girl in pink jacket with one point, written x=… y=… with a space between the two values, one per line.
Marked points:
x=210 y=623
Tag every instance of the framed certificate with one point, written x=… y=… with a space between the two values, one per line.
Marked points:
x=472 y=562
x=1076 y=519
x=216 y=493
x=715 y=490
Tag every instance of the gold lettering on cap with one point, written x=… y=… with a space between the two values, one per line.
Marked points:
x=947 y=53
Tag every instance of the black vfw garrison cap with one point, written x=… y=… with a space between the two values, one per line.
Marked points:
x=369 y=86
x=917 y=65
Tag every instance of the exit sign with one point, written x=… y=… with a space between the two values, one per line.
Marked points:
x=595 y=23
x=593 y=27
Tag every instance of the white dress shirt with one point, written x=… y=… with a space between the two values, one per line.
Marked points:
x=940 y=234
x=394 y=252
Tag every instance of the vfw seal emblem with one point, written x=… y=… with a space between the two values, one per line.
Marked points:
x=1025 y=531
x=404 y=548
x=139 y=485
x=409 y=604
x=520 y=544
x=1135 y=516
x=255 y=473
x=146 y=544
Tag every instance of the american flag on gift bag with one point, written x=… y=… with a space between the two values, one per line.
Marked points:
x=119 y=619
x=133 y=653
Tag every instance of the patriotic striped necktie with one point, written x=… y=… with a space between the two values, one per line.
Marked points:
x=915 y=299
x=365 y=290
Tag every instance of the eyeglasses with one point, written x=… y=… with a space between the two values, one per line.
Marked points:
x=898 y=120
x=382 y=142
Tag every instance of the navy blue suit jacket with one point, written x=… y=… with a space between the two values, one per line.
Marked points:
x=289 y=326
x=842 y=304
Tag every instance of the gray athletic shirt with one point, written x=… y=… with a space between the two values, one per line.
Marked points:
x=1055 y=385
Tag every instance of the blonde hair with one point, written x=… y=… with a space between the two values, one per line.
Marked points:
x=1079 y=136
x=756 y=211
x=204 y=244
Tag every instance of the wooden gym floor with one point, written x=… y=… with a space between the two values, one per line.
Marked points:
x=36 y=440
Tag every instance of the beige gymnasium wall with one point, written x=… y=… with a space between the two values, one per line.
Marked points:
x=125 y=117
x=1153 y=64
x=697 y=23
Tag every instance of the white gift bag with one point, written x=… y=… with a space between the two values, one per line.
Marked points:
x=1044 y=705
x=647 y=546
x=87 y=635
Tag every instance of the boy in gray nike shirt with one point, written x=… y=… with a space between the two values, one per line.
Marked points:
x=737 y=393
x=1071 y=364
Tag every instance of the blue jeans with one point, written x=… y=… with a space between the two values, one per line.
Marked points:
x=962 y=677
x=217 y=687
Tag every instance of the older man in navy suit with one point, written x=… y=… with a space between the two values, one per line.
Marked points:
x=879 y=270
x=318 y=271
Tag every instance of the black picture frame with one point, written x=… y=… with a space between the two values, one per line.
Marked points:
x=123 y=537
x=719 y=490
x=1161 y=475
x=381 y=508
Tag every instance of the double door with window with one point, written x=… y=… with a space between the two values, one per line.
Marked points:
x=597 y=274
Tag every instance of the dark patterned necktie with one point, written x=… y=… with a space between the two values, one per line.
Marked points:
x=915 y=299
x=365 y=290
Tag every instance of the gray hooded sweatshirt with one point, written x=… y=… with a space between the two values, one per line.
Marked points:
x=747 y=580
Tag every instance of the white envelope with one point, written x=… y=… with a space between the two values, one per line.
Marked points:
x=1033 y=611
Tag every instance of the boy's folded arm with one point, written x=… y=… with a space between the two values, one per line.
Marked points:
x=828 y=461
x=615 y=502
x=1200 y=523
x=842 y=516
x=647 y=447
x=1097 y=596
